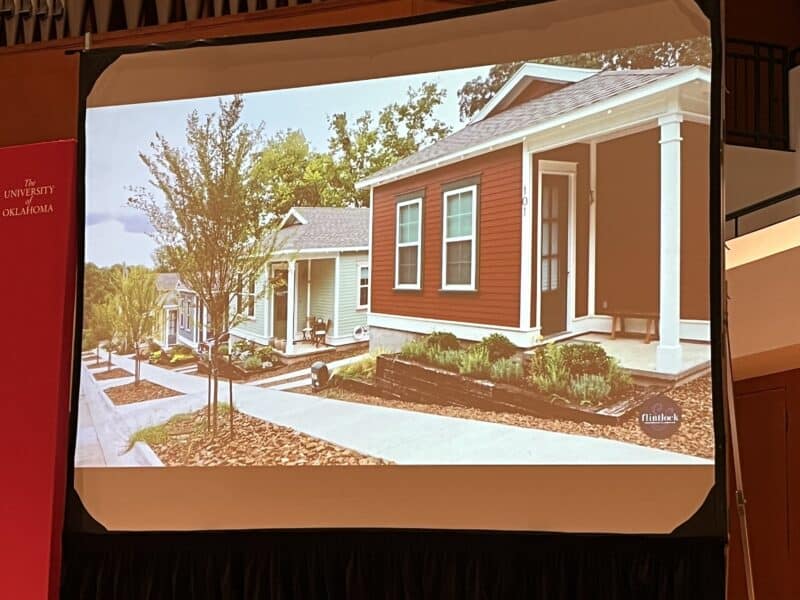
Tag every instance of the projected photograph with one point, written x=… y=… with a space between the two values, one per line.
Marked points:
x=496 y=265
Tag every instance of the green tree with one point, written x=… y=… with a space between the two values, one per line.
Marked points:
x=362 y=146
x=294 y=175
x=97 y=289
x=475 y=93
x=139 y=305
x=105 y=325
x=214 y=225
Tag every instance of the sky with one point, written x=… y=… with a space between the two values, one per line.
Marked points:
x=117 y=233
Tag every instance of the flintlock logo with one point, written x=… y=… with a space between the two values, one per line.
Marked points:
x=31 y=190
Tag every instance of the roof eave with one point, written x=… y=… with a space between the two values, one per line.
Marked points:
x=676 y=80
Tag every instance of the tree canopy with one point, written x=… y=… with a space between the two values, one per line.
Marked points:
x=296 y=175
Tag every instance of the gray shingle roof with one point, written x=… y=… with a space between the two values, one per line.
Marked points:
x=588 y=91
x=326 y=228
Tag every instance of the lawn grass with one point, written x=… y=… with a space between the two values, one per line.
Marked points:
x=160 y=434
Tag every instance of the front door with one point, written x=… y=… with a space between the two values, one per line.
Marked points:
x=172 y=327
x=553 y=245
x=279 y=303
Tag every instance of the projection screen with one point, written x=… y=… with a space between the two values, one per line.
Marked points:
x=427 y=274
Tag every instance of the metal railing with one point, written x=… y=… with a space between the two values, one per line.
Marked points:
x=757 y=100
x=736 y=215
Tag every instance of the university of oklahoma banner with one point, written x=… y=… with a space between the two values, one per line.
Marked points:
x=37 y=245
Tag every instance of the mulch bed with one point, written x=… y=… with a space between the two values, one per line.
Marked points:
x=112 y=374
x=255 y=443
x=145 y=390
x=96 y=365
x=695 y=436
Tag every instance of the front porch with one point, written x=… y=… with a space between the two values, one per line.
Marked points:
x=640 y=359
x=302 y=305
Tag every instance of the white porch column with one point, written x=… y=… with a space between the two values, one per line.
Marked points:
x=668 y=353
x=290 y=299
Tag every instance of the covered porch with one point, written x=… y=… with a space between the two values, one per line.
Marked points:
x=605 y=233
x=640 y=359
x=302 y=304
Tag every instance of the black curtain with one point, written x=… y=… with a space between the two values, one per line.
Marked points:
x=391 y=565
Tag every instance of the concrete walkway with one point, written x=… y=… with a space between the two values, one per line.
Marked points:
x=415 y=438
x=401 y=436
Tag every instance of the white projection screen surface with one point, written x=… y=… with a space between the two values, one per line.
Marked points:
x=450 y=274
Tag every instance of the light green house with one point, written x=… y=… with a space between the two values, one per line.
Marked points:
x=320 y=271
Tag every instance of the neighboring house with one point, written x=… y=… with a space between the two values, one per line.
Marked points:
x=573 y=196
x=166 y=332
x=319 y=270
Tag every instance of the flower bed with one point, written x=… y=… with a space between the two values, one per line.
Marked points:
x=407 y=381
x=568 y=381
x=177 y=356
x=242 y=360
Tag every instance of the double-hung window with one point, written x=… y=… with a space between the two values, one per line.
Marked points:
x=363 y=286
x=408 y=258
x=246 y=298
x=459 y=238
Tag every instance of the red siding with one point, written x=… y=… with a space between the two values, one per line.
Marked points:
x=499 y=237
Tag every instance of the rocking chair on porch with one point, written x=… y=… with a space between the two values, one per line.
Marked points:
x=319 y=330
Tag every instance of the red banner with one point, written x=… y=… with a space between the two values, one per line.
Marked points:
x=37 y=246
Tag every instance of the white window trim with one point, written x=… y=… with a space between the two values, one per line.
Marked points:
x=470 y=287
x=359 y=266
x=245 y=298
x=398 y=245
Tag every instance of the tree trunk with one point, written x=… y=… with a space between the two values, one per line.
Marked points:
x=208 y=407
x=97 y=355
x=216 y=400
x=108 y=364
x=230 y=399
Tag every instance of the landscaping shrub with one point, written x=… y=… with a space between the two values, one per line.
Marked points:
x=266 y=354
x=449 y=360
x=475 y=363
x=176 y=357
x=155 y=357
x=506 y=370
x=619 y=380
x=443 y=340
x=589 y=389
x=253 y=363
x=578 y=372
x=584 y=359
x=363 y=369
x=416 y=350
x=498 y=346
x=549 y=374
x=223 y=349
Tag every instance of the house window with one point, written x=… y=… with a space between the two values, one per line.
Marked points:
x=246 y=298
x=363 y=286
x=458 y=239
x=550 y=257
x=409 y=236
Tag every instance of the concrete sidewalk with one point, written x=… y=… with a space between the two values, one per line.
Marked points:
x=415 y=438
x=401 y=436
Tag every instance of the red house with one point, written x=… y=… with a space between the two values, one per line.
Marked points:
x=573 y=205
